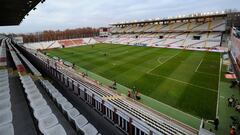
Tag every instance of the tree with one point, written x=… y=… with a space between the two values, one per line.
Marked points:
x=50 y=35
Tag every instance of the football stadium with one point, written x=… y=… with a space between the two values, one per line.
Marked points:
x=164 y=76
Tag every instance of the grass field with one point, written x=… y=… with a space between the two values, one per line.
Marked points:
x=186 y=80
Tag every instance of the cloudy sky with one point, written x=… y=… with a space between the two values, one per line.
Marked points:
x=63 y=14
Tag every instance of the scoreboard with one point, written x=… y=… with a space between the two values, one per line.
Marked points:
x=104 y=32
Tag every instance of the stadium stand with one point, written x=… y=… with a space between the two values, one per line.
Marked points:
x=36 y=100
x=47 y=121
x=67 y=108
x=43 y=45
x=200 y=33
x=30 y=66
x=60 y=43
x=6 y=116
x=3 y=54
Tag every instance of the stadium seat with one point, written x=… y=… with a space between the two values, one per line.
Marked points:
x=42 y=112
x=31 y=91
x=66 y=106
x=5 y=105
x=56 y=95
x=5 y=96
x=53 y=91
x=56 y=130
x=37 y=104
x=31 y=86
x=4 y=89
x=34 y=96
x=89 y=129
x=80 y=121
x=72 y=113
x=47 y=122
x=7 y=129
x=5 y=82
x=60 y=100
x=5 y=117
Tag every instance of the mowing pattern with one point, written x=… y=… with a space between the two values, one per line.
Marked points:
x=186 y=80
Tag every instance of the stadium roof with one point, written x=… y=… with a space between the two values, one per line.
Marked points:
x=170 y=19
x=12 y=12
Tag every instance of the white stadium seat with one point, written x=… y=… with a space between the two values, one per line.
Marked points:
x=42 y=112
x=5 y=117
x=56 y=130
x=80 y=121
x=47 y=122
x=89 y=129
x=7 y=129
x=72 y=113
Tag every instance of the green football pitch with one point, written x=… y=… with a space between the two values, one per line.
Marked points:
x=186 y=80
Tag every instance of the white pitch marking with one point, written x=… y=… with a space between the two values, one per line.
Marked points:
x=209 y=89
x=159 y=60
x=199 y=65
x=219 y=79
x=164 y=62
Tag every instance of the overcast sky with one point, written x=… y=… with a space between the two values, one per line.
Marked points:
x=63 y=14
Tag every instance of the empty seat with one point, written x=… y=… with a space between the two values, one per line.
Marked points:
x=72 y=113
x=5 y=117
x=61 y=100
x=56 y=95
x=30 y=86
x=27 y=81
x=47 y=122
x=2 y=79
x=5 y=105
x=49 y=86
x=80 y=121
x=5 y=96
x=56 y=130
x=7 y=129
x=34 y=96
x=4 y=83
x=89 y=129
x=31 y=91
x=36 y=104
x=4 y=75
x=46 y=83
x=42 y=112
x=4 y=87
x=53 y=92
x=66 y=106
x=4 y=93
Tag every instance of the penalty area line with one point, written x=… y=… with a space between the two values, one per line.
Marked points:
x=199 y=64
x=163 y=62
